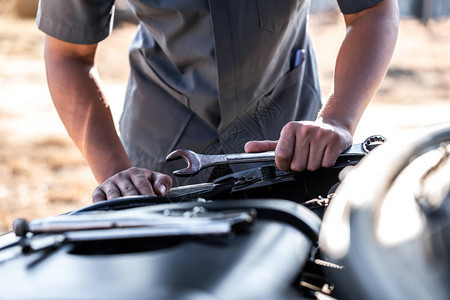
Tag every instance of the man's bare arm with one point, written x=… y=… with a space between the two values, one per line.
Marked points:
x=361 y=64
x=77 y=95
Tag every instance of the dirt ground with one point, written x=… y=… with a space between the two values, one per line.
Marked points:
x=43 y=174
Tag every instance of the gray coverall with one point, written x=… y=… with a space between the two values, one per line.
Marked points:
x=206 y=75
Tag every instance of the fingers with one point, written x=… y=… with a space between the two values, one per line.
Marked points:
x=141 y=180
x=310 y=146
x=131 y=182
x=300 y=155
x=260 y=146
x=316 y=152
x=98 y=195
x=161 y=183
x=286 y=147
x=331 y=154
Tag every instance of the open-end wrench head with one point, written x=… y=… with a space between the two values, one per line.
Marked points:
x=190 y=157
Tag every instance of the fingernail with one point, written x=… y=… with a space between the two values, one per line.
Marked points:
x=162 y=190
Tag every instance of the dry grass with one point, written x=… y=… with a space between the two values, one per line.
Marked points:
x=42 y=172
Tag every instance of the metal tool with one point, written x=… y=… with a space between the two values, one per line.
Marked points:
x=197 y=162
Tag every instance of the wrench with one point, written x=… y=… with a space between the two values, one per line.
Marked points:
x=197 y=162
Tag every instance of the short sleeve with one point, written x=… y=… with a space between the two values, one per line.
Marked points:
x=354 y=6
x=76 y=21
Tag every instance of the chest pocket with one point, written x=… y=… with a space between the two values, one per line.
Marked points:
x=276 y=14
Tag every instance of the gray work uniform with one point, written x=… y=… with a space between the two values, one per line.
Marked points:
x=206 y=75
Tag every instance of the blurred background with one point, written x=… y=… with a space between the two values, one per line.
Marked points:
x=42 y=172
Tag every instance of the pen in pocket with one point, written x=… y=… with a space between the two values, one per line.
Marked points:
x=298 y=56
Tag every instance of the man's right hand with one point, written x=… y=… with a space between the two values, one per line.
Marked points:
x=131 y=182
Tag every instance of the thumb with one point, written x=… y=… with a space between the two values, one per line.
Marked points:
x=260 y=146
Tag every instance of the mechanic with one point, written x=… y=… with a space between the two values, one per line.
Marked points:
x=215 y=76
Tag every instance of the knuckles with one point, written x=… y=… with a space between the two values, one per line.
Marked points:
x=283 y=156
x=283 y=159
x=297 y=167
x=128 y=173
x=318 y=136
x=98 y=195
x=111 y=193
x=291 y=127
x=141 y=181
x=128 y=182
x=128 y=189
x=312 y=167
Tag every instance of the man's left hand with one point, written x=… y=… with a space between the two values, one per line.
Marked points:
x=305 y=145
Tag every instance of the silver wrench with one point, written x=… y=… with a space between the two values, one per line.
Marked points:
x=197 y=162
